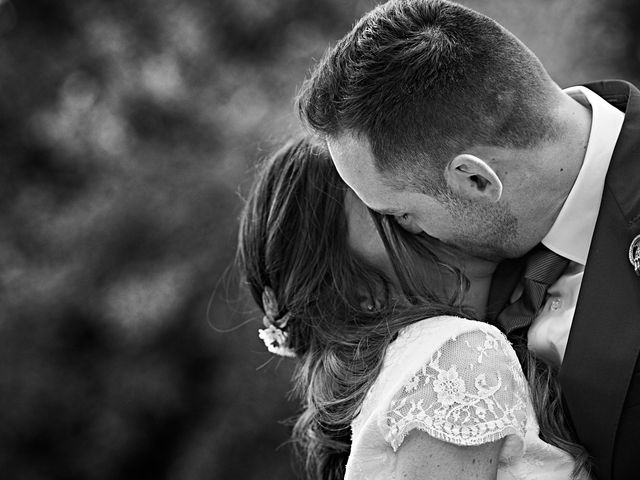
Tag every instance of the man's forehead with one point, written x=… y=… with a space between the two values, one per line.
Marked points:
x=350 y=141
x=351 y=154
x=353 y=159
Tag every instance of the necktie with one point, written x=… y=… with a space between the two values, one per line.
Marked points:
x=543 y=268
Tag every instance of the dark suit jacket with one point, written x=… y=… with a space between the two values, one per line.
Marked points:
x=600 y=374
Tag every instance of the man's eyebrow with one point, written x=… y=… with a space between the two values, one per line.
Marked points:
x=385 y=211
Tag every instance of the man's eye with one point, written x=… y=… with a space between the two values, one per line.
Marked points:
x=402 y=218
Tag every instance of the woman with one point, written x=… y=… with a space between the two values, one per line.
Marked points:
x=396 y=379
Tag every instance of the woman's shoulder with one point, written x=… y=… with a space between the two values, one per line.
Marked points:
x=435 y=331
x=418 y=343
x=449 y=366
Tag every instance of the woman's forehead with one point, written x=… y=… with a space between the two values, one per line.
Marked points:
x=363 y=237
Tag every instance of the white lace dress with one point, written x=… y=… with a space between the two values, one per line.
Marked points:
x=459 y=381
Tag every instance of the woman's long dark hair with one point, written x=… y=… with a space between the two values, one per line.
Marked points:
x=294 y=239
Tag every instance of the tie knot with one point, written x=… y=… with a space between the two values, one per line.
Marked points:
x=544 y=266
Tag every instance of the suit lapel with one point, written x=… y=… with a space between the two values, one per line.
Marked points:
x=604 y=341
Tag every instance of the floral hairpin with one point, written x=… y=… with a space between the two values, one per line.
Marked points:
x=273 y=336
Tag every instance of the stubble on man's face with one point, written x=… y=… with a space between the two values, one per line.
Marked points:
x=485 y=231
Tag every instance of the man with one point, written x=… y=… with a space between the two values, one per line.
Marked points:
x=437 y=115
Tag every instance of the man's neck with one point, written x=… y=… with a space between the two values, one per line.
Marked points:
x=578 y=120
x=561 y=162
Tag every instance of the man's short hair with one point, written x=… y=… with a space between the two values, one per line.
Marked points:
x=423 y=79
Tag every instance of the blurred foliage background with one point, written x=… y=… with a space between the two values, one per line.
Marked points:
x=128 y=132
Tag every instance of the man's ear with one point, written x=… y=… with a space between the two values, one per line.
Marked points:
x=472 y=178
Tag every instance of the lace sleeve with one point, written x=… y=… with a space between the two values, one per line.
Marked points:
x=471 y=391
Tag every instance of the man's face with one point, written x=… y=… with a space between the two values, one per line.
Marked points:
x=365 y=241
x=486 y=231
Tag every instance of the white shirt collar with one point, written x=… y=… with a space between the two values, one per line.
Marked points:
x=571 y=233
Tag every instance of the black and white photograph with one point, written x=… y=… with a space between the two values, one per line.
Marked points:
x=319 y=239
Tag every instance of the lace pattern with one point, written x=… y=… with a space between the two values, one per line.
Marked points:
x=471 y=391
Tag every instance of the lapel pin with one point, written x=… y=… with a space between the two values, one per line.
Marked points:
x=634 y=254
